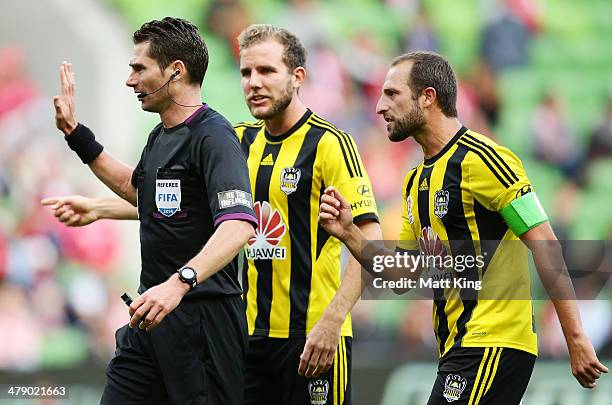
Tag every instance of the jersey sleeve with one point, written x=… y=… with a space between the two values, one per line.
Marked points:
x=223 y=167
x=498 y=181
x=407 y=238
x=343 y=169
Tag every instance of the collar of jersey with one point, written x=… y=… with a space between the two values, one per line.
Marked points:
x=446 y=147
x=290 y=131
x=188 y=120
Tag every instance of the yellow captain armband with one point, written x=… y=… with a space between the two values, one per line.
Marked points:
x=524 y=213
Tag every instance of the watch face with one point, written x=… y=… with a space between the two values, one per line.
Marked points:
x=188 y=273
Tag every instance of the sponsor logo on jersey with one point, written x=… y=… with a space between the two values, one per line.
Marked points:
x=268 y=235
x=453 y=387
x=168 y=196
x=267 y=161
x=441 y=199
x=364 y=190
x=318 y=390
x=424 y=186
x=526 y=189
x=290 y=176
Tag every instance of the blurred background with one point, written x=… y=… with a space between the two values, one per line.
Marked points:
x=535 y=75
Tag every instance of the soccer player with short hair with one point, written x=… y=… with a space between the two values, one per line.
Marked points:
x=297 y=306
x=469 y=197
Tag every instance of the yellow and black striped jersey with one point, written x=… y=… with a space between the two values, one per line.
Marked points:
x=293 y=267
x=456 y=197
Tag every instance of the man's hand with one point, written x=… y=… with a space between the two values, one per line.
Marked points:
x=320 y=348
x=73 y=210
x=585 y=365
x=335 y=214
x=157 y=302
x=65 y=118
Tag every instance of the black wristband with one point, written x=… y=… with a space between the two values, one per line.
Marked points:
x=84 y=143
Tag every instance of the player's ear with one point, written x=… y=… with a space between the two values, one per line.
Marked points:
x=428 y=97
x=299 y=76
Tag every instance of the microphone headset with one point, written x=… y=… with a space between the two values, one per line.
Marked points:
x=172 y=76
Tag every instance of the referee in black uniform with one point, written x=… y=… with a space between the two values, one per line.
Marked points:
x=185 y=343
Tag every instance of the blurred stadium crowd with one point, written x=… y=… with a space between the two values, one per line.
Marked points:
x=533 y=75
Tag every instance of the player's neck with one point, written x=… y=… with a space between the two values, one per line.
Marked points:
x=436 y=135
x=175 y=114
x=285 y=120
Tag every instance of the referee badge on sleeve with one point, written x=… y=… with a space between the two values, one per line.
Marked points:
x=168 y=196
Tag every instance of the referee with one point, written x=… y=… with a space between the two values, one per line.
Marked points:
x=470 y=197
x=186 y=339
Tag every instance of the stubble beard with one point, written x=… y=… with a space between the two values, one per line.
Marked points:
x=407 y=126
x=279 y=105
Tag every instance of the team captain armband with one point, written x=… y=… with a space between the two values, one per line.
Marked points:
x=524 y=213
x=84 y=143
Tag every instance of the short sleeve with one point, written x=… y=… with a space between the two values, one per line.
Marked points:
x=407 y=238
x=496 y=177
x=223 y=167
x=498 y=181
x=344 y=170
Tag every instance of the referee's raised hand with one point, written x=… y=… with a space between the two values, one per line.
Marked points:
x=65 y=117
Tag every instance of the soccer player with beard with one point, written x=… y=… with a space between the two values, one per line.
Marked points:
x=298 y=307
x=472 y=197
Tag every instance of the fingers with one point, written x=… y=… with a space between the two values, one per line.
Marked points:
x=587 y=376
x=150 y=317
x=325 y=363
x=329 y=210
x=156 y=321
x=49 y=201
x=600 y=367
x=139 y=313
x=305 y=358
x=312 y=363
x=74 y=220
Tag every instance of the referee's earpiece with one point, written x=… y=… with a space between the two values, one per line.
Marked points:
x=176 y=73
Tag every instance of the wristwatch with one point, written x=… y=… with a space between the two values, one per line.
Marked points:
x=188 y=276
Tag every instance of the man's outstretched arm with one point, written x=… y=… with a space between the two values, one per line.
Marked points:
x=551 y=268
x=76 y=210
x=115 y=174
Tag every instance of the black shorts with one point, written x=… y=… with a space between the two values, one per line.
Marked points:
x=484 y=376
x=272 y=374
x=194 y=356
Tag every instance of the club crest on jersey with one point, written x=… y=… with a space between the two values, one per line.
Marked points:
x=168 y=196
x=441 y=199
x=268 y=235
x=290 y=176
x=453 y=387
x=409 y=209
x=318 y=389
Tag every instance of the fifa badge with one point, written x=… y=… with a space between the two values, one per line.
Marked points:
x=168 y=196
x=290 y=176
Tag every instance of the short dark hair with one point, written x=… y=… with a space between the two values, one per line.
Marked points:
x=430 y=69
x=175 y=39
x=294 y=55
